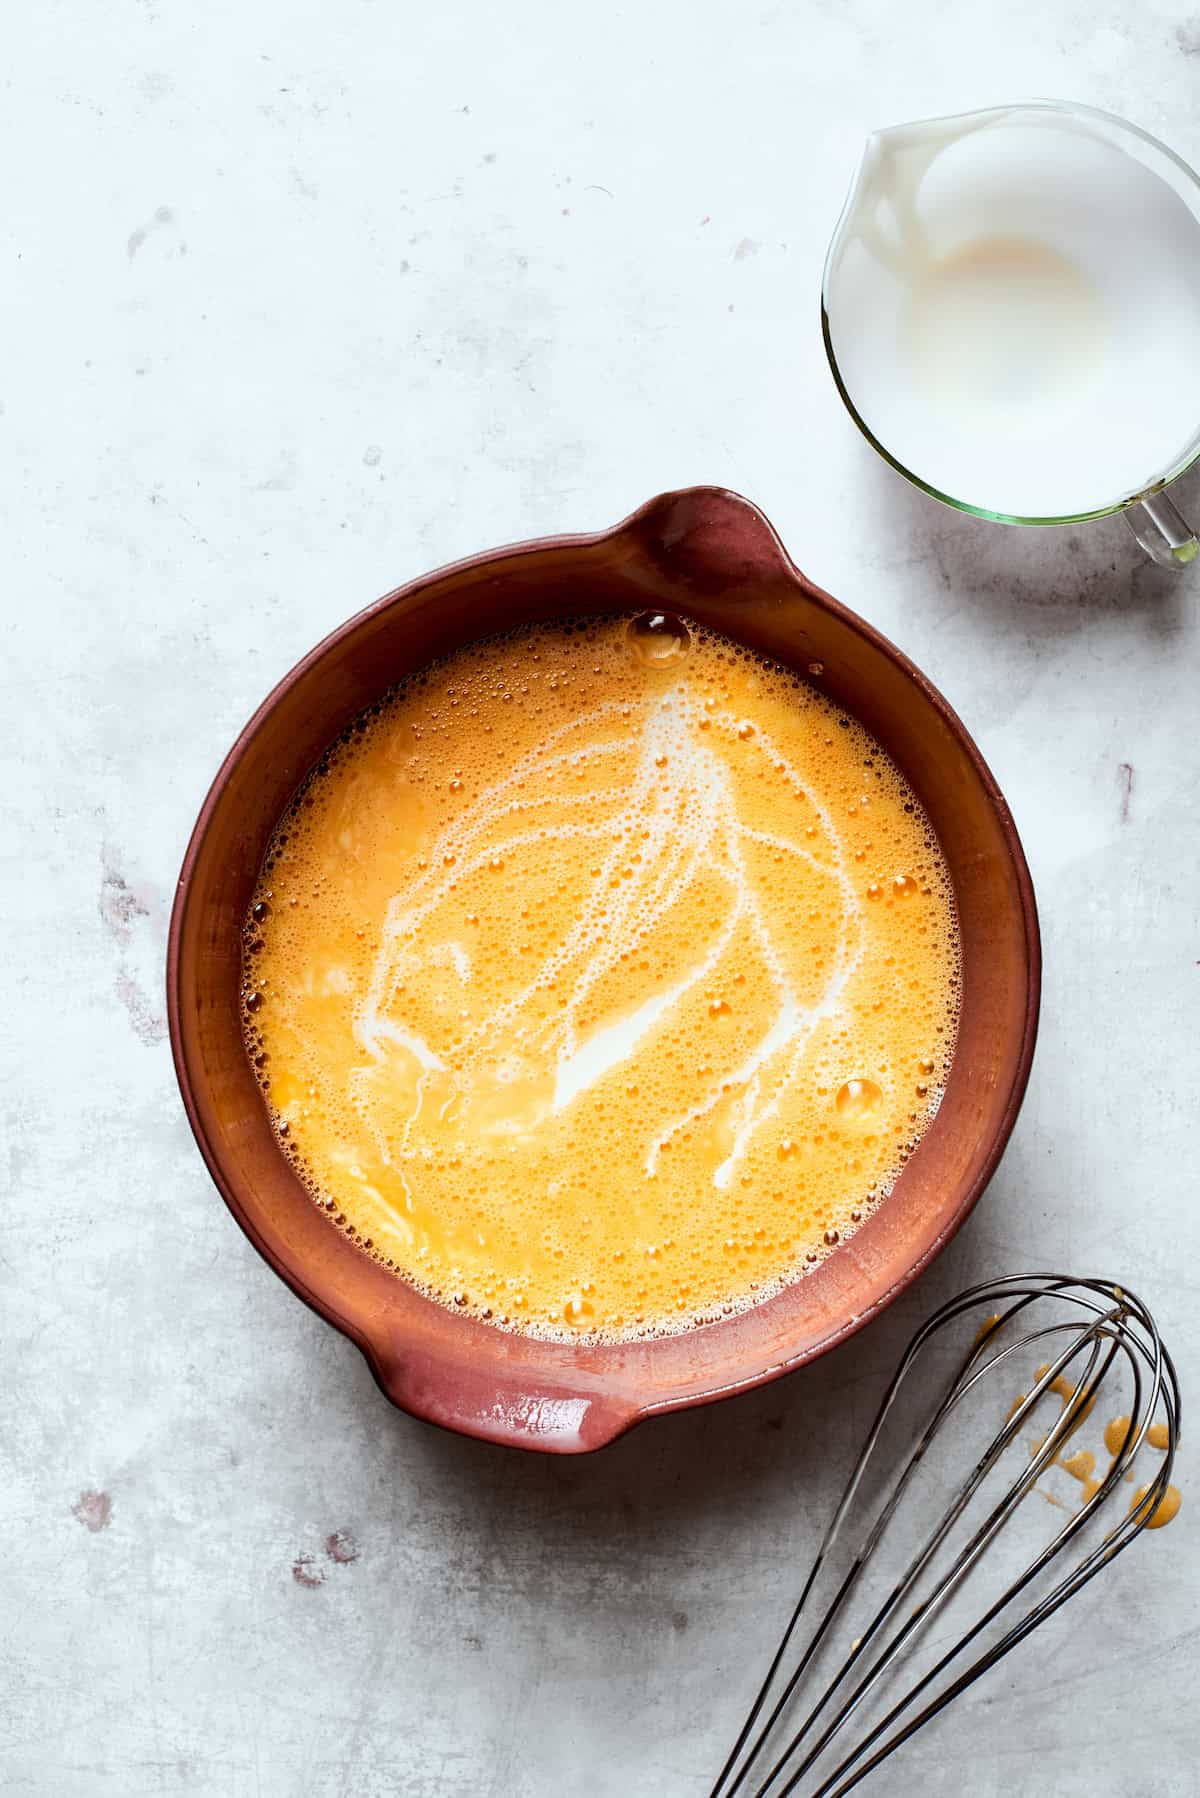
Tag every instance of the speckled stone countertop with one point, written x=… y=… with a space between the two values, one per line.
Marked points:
x=301 y=300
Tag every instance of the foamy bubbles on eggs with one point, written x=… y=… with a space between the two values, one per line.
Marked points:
x=567 y=960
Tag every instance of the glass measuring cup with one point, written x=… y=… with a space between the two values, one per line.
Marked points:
x=1011 y=310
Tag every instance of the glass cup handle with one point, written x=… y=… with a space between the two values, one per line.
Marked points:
x=1162 y=531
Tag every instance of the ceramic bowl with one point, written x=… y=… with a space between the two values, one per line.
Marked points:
x=713 y=556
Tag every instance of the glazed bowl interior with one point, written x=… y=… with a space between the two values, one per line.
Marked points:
x=714 y=557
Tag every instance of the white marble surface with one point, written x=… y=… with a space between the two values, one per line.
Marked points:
x=301 y=299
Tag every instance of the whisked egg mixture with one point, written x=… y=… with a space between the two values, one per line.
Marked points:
x=602 y=978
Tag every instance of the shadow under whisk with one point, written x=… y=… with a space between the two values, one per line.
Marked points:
x=829 y=1713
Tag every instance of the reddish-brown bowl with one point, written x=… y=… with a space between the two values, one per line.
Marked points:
x=712 y=555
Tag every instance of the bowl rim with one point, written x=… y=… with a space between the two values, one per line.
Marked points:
x=619 y=1417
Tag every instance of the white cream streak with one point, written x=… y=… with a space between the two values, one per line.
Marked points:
x=680 y=810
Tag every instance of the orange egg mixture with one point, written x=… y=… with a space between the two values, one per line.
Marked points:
x=602 y=978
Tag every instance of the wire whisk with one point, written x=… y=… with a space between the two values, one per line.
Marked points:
x=854 y=1712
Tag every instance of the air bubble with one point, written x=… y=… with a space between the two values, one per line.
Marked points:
x=858 y=1099
x=658 y=639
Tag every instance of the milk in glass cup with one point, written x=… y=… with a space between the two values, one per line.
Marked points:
x=1011 y=309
